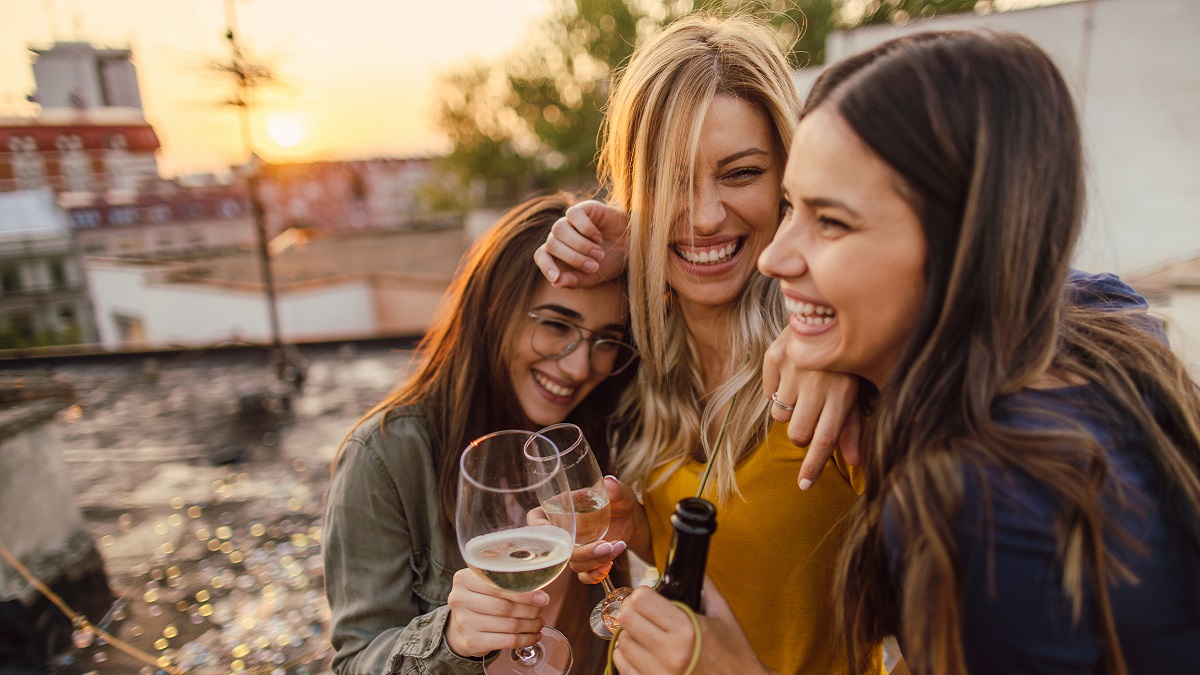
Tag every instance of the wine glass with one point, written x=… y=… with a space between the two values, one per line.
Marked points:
x=506 y=479
x=590 y=501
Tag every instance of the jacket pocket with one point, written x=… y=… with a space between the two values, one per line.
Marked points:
x=432 y=578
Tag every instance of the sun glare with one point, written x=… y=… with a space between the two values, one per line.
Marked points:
x=285 y=130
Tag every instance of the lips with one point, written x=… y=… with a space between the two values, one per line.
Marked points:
x=710 y=254
x=810 y=313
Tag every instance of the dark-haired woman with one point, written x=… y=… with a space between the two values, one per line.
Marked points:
x=401 y=597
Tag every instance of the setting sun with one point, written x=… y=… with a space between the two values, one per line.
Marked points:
x=285 y=130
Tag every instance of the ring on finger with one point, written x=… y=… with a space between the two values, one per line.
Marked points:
x=782 y=406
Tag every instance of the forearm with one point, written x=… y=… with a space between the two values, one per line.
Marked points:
x=419 y=647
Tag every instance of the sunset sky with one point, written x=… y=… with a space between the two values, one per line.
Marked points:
x=358 y=74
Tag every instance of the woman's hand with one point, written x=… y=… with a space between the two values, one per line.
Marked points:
x=825 y=415
x=585 y=247
x=484 y=618
x=657 y=638
x=627 y=526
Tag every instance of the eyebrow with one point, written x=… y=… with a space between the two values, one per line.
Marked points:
x=738 y=155
x=829 y=202
x=576 y=316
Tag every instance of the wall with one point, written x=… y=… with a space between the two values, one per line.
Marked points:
x=198 y=314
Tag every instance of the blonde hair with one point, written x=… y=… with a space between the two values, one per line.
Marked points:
x=651 y=137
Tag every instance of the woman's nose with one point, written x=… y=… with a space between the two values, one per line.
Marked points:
x=578 y=364
x=708 y=211
x=784 y=257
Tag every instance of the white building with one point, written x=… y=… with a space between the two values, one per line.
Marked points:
x=385 y=284
x=80 y=76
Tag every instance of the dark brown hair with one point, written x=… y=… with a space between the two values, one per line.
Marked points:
x=983 y=135
x=461 y=379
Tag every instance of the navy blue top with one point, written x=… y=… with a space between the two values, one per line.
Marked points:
x=1016 y=618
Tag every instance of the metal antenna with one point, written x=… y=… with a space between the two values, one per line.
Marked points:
x=248 y=77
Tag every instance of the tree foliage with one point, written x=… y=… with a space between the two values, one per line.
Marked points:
x=532 y=121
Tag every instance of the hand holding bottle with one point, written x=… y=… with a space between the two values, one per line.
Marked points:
x=658 y=638
x=484 y=618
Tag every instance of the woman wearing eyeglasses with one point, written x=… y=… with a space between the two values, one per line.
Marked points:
x=507 y=351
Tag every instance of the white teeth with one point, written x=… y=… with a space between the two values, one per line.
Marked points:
x=709 y=256
x=552 y=387
x=813 y=315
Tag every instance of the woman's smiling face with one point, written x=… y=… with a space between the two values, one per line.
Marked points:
x=736 y=197
x=849 y=254
x=549 y=389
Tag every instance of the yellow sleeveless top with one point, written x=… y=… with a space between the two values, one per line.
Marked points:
x=774 y=552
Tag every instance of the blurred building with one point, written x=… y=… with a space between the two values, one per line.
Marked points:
x=327 y=287
x=43 y=298
x=81 y=76
x=382 y=193
x=167 y=221
x=85 y=156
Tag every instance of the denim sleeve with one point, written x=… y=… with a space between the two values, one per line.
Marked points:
x=376 y=625
x=1107 y=292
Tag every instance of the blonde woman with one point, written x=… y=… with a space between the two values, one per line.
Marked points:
x=694 y=152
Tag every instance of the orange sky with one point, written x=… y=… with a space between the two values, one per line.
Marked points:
x=359 y=73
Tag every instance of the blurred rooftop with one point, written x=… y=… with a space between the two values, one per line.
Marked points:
x=204 y=498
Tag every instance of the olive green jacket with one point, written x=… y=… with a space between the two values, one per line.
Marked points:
x=388 y=564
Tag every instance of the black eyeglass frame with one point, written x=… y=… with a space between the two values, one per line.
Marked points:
x=538 y=320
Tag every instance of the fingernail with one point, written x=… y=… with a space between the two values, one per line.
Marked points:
x=618 y=547
x=541 y=599
x=598 y=253
x=552 y=274
x=604 y=549
x=805 y=483
x=590 y=265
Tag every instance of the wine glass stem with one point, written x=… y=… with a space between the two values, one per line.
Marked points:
x=608 y=587
x=528 y=656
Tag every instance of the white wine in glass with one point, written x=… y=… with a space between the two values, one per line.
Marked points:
x=589 y=498
x=508 y=536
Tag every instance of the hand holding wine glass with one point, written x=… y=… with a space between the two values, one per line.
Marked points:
x=479 y=625
x=590 y=496
x=507 y=480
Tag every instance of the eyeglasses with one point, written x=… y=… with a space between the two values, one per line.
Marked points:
x=555 y=339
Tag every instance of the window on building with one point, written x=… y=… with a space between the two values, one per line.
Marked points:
x=76 y=168
x=130 y=329
x=123 y=215
x=58 y=274
x=20 y=326
x=10 y=279
x=86 y=218
x=28 y=167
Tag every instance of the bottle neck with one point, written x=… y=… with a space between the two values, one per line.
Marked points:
x=683 y=573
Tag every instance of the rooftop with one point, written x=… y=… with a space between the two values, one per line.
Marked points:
x=205 y=498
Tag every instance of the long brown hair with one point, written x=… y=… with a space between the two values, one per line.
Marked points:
x=461 y=379
x=983 y=134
